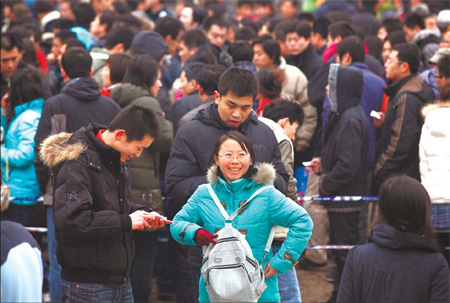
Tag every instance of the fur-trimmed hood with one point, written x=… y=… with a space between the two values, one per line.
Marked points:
x=266 y=174
x=427 y=109
x=55 y=149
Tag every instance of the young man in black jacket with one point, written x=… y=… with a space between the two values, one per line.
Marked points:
x=92 y=206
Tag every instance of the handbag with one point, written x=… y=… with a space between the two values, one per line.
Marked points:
x=6 y=190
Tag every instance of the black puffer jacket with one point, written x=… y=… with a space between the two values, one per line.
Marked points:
x=402 y=126
x=346 y=145
x=91 y=208
x=194 y=144
x=396 y=267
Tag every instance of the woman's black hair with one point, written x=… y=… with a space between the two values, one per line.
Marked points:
x=118 y=64
x=404 y=204
x=142 y=71
x=26 y=86
x=270 y=82
x=244 y=142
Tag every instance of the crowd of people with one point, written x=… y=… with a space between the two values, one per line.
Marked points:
x=120 y=116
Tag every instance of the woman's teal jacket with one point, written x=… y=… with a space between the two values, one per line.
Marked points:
x=269 y=208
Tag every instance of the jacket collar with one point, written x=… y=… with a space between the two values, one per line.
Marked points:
x=265 y=174
x=395 y=87
x=35 y=104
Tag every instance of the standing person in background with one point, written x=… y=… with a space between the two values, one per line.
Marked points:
x=20 y=115
x=404 y=254
x=270 y=85
x=434 y=153
x=78 y=104
x=319 y=34
x=141 y=84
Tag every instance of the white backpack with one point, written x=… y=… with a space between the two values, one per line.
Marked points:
x=230 y=271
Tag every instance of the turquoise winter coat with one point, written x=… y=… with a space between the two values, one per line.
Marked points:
x=19 y=150
x=268 y=208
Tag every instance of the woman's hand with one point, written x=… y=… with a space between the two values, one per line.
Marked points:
x=204 y=237
x=5 y=104
x=316 y=165
x=269 y=271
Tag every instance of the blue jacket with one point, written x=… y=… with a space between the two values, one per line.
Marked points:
x=268 y=208
x=19 y=150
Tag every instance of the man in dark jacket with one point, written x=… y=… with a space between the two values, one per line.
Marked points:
x=402 y=125
x=191 y=153
x=343 y=165
x=302 y=53
x=78 y=104
x=93 y=212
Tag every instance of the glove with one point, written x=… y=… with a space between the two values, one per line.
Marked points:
x=204 y=237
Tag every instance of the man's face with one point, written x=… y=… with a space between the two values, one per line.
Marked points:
x=56 y=47
x=233 y=110
x=443 y=85
x=382 y=33
x=431 y=23
x=290 y=129
x=296 y=44
x=288 y=10
x=66 y=10
x=217 y=35
x=245 y=11
x=100 y=5
x=262 y=11
x=187 y=18
x=261 y=58
x=186 y=87
x=184 y=52
x=387 y=49
x=393 y=67
x=9 y=61
x=410 y=33
x=173 y=44
x=96 y=28
x=130 y=149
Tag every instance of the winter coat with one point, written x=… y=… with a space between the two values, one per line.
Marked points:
x=308 y=61
x=268 y=208
x=429 y=76
x=434 y=151
x=183 y=106
x=335 y=5
x=296 y=89
x=344 y=155
x=19 y=150
x=367 y=22
x=91 y=207
x=193 y=113
x=144 y=171
x=396 y=267
x=78 y=104
x=99 y=57
x=400 y=132
x=194 y=144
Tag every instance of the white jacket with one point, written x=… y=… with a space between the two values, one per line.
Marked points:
x=434 y=152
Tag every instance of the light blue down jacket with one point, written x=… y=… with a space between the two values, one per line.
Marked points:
x=19 y=150
x=268 y=208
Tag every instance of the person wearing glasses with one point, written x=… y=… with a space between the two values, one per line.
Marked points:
x=189 y=161
x=235 y=177
x=400 y=130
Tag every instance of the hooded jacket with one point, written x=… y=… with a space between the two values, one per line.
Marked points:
x=78 y=104
x=144 y=171
x=19 y=151
x=193 y=146
x=434 y=151
x=396 y=267
x=400 y=132
x=91 y=207
x=268 y=208
x=346 y=145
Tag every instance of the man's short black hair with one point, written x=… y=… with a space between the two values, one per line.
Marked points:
x=10 y=41
x=192 y=70
x=77 y=62
x=408 y=53
x=238 y=81
x=118 y=64
x=270 y=47
x=142 y=71
x=65 y=35
x=119 y=34
x=73 y=43
x=199 y=13
x=321 y=26
x=280 y=29
x=169 y=26
x=391 y=24
x=43 y=6
x=194 y=38
x=354 y=46
x=295 y=3
x=281 y=109
x=245 y=33
x=137 y=121
x=63 y=23
x=214 y=20
x=245 y=2
x=342 y=29
x=121 y=7
x=444 y=66
x=108 y=17
x=241 y=51
x=84 y=14
x=209 y=78
x=396 y=37
x=414 y=20
x=308 y=17
x=302 y=29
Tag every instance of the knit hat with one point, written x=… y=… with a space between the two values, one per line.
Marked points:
x=149 y=43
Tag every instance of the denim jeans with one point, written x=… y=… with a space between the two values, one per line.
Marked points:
x=288 y=283
x=95 y=293
x=54 y=277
